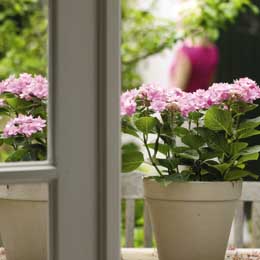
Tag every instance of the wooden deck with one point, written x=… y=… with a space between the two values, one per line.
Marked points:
x=150 y=254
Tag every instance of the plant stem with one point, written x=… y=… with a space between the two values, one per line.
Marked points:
x=150 y=156
x=237 y=123
x=156 y=146
x=189 y=125
x=14 y=146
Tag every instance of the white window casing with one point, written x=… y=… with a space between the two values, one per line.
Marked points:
x=84 y=132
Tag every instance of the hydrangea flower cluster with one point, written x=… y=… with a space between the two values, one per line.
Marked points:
x=128 y=102
x=24 y=125
x=26 y=86
x=23 y=103
x=158 y=98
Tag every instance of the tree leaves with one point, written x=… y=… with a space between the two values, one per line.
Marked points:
x=17 y=56
x=143 y=35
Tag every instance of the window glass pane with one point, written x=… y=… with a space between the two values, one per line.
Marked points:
x=23 y=86
x=24 y=221
x=178 y=43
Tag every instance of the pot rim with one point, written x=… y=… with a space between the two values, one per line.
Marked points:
x=192 y=191
x=195 y=182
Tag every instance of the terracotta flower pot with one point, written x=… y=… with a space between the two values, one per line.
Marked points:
x=24 y=221
x=192 y=220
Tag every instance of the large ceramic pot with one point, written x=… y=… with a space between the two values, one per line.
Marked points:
x=192 y=220
x=24 y=221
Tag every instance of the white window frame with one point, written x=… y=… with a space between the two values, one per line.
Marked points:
x=84 y=132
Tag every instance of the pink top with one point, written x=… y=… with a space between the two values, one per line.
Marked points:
x=204 y=61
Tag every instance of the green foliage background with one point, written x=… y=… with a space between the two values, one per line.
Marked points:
x=143 y=35
x=23 y=37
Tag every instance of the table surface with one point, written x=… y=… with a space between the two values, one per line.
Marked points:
x=151 y=254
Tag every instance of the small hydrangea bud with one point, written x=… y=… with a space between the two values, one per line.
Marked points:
x=173 y=107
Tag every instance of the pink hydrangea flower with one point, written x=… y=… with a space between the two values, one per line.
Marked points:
x=26 y=86
x=243 y=89
x=128 y=102
x=158 y=105
x=12 y=85
x=38 y=87
x=153 y=92
x=248 y=89
x=219 y=92
x=187 y=104
x=24 y=125
x=158 y=98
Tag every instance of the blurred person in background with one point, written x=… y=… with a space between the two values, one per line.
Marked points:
x=195 y=59
x=194 y=65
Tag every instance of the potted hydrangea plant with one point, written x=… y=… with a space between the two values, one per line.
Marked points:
x=196 y=143
x=24 y=208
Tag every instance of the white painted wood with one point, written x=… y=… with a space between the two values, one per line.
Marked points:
x=109 y=127
x=251 y=191
x=238 y=225
x=74 y=49
x=52 y=221
x=31 y=192
x=148 y=232
x=27 y=173
x=86 y=129
x=132 y=185
x=129 y=222
x=51 y=5
x=151 y=254
x=139 y=254
x=256 y=224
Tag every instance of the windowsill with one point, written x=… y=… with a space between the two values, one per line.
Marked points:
x=150 y=254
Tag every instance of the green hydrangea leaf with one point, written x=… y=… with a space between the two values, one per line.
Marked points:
x=131 y=160
x=193 y=141
x=217 y=119
x=145 y=124
x=237 y=174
